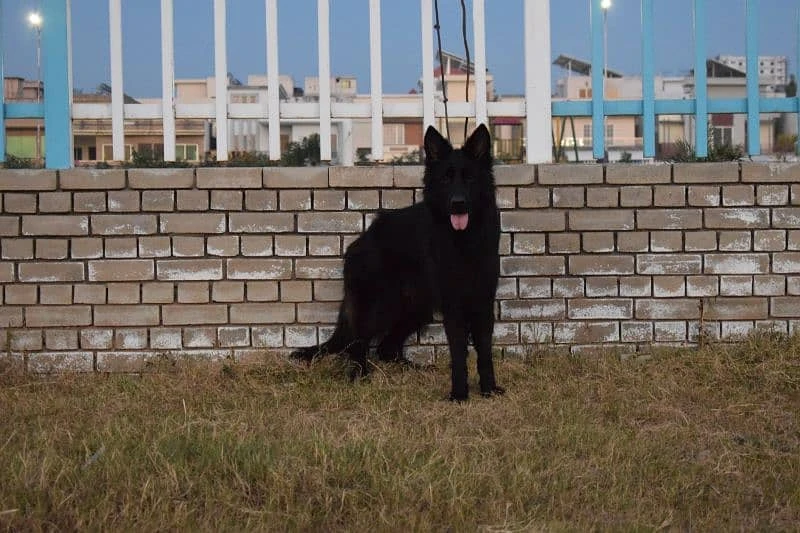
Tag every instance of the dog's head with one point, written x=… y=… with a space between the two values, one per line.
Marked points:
x=458 y=182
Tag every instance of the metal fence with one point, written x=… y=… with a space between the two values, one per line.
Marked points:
x=537 y=109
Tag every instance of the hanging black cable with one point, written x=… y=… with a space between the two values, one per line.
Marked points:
x=437 y=27
x=466 y=49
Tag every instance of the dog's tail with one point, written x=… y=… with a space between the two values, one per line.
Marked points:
x=340 y=339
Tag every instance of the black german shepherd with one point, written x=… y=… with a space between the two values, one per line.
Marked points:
x=438 y=255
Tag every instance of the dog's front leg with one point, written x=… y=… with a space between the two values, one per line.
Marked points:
x=482 y=329
x=456 y=331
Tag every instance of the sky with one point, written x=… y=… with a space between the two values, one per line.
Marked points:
x=402 y=62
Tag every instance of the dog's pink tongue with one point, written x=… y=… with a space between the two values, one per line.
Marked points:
x=459 y=222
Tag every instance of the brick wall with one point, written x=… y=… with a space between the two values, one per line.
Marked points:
x=105 y=269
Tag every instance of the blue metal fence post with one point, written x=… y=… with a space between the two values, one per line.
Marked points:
x=700 y=81
x=2 y=93
x=648 y=90
x=56 y=74
x=598 y=82
x=797 y=80
x=753 y=117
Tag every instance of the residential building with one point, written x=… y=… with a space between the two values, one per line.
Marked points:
x=771 y=69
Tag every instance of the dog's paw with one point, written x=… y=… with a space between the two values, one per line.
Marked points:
x=494 y=391
x=458 y=398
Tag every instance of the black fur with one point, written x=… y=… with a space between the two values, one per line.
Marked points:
x=415 y=261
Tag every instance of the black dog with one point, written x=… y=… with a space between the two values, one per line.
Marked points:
x=438 y=255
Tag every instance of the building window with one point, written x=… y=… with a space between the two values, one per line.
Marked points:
x=108 y=152
x=77 y=153
x=92 y=153
x=186 y=152
x=609 y=133
x=723 y=136
x=151 y=150
x=394 y=134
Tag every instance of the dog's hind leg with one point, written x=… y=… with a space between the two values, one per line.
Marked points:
x=482 y=328
x=358 y=356
x=457 y=339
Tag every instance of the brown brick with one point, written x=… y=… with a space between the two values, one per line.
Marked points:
x=166 y=338
x=97 y=339
x=636 y=196
x=786 y=263
x=130 y=339
x=260 y=200
x=738 y=195
x=736 y=285
x=9 y=226
x=192 y=200
x=55 y=225
x=123 y=293
x=260 y=268
x=256 y=245
x=298 y=336
x=324 y=245
x=158 y=201
x=706 y=172
x=735 y=241
x=120 y=247
x=598 y=241
x=635 y=286
x=568 y=197
x=229 y=178
x=290 y=245
x=793 y=240
x=318 y=269
x=704 y=195
x=328 y=291
x=632 y=241
x=504 y=246
x=11 y=317
x=184 y=246
x=514 y=174
x=506 y=198
x=770 y=285
x=772 y=194
x=123 y=201
x=55 y=202
x=19 y=202
x=408 y=175
x=61 y=339
x=700 y=241
x=627 y=174
x=570 y=174
x=770 y=172
x=124 y=224
x=27 y=180
x=44 y=272
x=97 y=179
x=538 y=309
x=533 y=196
x=736 y=308
x=667 y=308
x=600 y=308
x=586 y=332
x=666 y=241
x=785 y=306
x=636 y=331
x=609 y=219
x=295 y=200
x=362 y=200
x=534 y=287
x=21 y=294
x=200 y=337
x=52 y=248
x=532 y=266
x=89 y=202
x=669 y=286
x=267 y=313
x=161 y=178
x=602 y=286
x=195 y=292
x=296 y=291
x=55 y=294
x=227 y=291
x=661 y=264
x=155 y=246
x=360 y=176
x=669 y=196
x=595 y=265
x=559 y=243
x=786 y=217
x=6 y=272
x=262 y=291
x=602 y=196
x=738 y=263
x=529 y=243
x=295 y=178
x=193 y=223
x=223 y=245
x=665 y=219
x=743 y=217
x=189 y=269
x=188 y=314
x=397 y=198
x=17 y=248
x=702 y=285
x=158 y=293
x=28 y=340
x=339 y=222
x=58 y=316
x=261 y=222
x=317 y=312
x=533 y=220
x=233 y=336
x=227 y=200
x=89 y=294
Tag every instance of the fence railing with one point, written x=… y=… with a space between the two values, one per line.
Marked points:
x=537 y=108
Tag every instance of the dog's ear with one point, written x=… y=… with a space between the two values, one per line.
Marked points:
x=436 y=146
x=479 y=144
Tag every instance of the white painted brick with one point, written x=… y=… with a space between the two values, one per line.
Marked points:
x=267 y=337
x=300 y=336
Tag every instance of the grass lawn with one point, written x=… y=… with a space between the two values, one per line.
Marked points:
x=704 y=440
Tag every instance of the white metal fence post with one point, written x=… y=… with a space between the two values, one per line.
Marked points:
x=273 y=81
x=539 y=145
x=323 y=32
x=117 y=92
x=168 y=79
x=221 y=79
x=376 y=78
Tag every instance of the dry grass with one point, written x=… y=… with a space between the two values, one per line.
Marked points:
x=685 y=440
